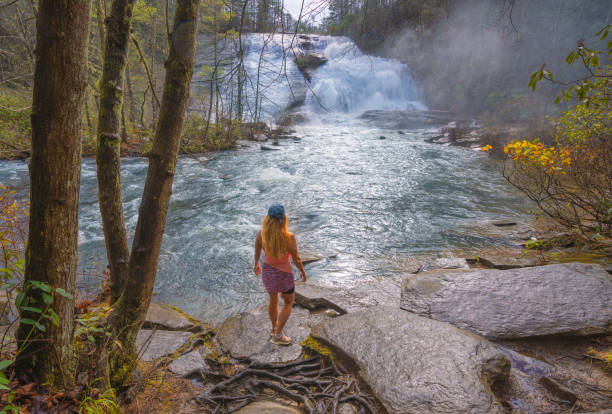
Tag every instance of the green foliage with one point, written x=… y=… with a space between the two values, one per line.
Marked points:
x=200 y=137
x=15 y=127
x=104 y=402
x=594 y=89
x=93 y=326
x=570 y=180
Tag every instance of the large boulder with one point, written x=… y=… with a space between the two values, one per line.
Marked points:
x=307 y=63
x=560 y=299
x=418 y=365
x=166 y=318
x=247 y=336
x=153 y=344
x=361 y=295
x=188 y=364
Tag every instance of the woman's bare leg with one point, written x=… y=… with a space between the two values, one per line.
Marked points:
x=283 y=316
x=273 y=310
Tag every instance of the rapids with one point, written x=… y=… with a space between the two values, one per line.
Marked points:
x=370 y=206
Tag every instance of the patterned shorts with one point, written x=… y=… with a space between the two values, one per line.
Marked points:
x=276 y=281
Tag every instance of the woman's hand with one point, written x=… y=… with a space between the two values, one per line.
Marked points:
x=303 y=276
x=257 y=269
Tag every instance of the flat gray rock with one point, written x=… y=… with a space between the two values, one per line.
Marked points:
x=444 y=263
x=361 y=295
x=560 y=299
x=164 y=317
x=247 y=336
x=155 y=344
x=188 y=364
x=418 y=365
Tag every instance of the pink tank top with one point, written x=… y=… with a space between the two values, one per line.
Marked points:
x=283 y=263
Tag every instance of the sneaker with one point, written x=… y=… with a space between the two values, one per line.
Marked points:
x=281 y=339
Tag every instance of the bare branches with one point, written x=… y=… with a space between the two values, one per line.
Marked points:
x=144 y=63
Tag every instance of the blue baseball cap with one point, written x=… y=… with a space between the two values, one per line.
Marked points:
x=277 y=211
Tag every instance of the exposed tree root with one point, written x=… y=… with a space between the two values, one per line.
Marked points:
x=319 y=387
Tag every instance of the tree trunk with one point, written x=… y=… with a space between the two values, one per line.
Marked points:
x=131 y=308
x=60 y=79
x=109 y=141
x=101 y=35
x=130 y=93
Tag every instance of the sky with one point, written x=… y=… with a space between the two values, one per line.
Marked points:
x=293 y=6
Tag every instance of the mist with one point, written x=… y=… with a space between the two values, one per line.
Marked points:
x=476 y=58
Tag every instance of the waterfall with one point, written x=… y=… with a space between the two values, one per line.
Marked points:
x=351 y=82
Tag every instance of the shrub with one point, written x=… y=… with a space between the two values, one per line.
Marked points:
x=571 y=180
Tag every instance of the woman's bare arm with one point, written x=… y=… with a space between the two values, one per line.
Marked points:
x=297 y=261
x=258 y=247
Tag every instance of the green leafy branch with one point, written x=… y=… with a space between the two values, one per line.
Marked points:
x=593 y=89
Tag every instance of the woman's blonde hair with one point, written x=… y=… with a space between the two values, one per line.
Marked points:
x=275 y=236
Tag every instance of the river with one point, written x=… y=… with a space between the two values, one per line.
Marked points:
x=370 y=206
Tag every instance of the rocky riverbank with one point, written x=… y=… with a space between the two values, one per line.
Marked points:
x=453 y=338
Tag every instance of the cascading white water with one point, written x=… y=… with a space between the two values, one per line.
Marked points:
x=353 y=82
x=350 y=82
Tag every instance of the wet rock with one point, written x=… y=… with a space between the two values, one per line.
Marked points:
x=292 y=118
x=247 y=336
x=187 y=365
x=525 y=364
x=308 y=62
x=309 y=258
x=245 y=144
x=560 y=299
x=155 y=344
x=558 y=390
x=311 y=60
x=444 y=263
x=266 y=148
x=249 y=130
x=165 y=318
x=361 y=295
x=269 y=407
x=382 y=137
x=506 y=262
x=503 y=223
x=418 y=365
x=405 y=119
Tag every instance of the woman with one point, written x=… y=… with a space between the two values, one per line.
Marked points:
x=280 y=247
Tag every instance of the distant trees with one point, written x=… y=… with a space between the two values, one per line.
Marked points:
x=60 y=79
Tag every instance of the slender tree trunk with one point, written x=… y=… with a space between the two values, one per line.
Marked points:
x=130 y=93
x=132 y=307
x=60 y=79
x=100 y=22
x=109 y=141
